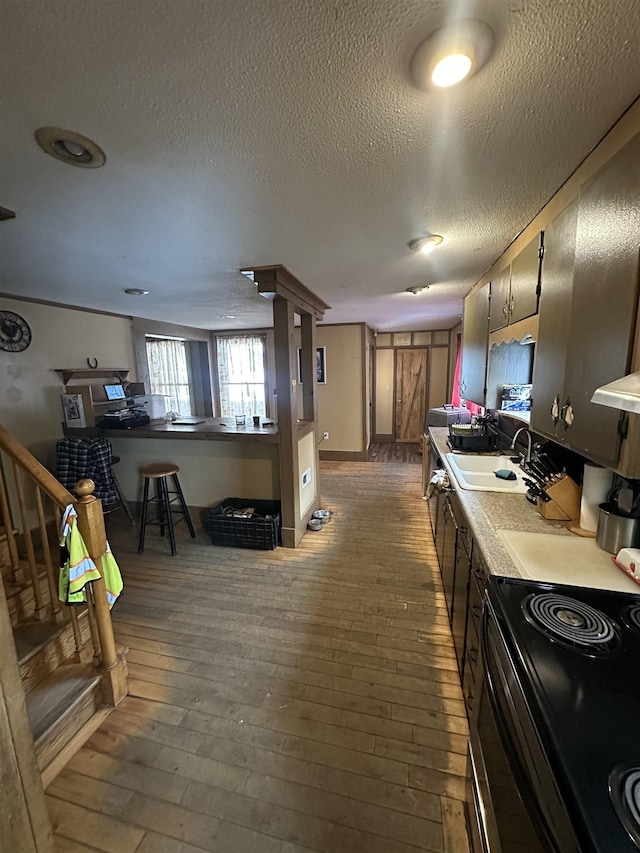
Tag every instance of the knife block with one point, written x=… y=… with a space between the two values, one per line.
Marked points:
x=565 y=501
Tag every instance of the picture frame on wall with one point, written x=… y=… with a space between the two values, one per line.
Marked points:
x=321 y=365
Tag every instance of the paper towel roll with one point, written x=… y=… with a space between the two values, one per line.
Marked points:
x=595 y=490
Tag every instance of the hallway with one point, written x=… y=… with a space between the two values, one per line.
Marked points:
x=283 y=701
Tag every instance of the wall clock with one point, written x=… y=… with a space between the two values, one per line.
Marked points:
x=15 y=334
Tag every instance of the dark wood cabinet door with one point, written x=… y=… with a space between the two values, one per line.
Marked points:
x=448 y=563
x=475 y=338
x=604 y=299
x=554 y=320
x=499 y=304
x=460 y=601
x=523 y=301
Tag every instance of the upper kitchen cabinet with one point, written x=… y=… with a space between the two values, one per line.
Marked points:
x=499 y=303
x=514 y=291
x=475 y=339
x=553 y=323
x=588 y=308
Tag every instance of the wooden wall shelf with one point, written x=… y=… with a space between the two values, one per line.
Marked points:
x=68 y=373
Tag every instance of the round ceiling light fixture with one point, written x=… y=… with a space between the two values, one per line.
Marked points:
x=425 y=245
x=136 y=291
x=70 y=147
x=452 y=54
x=418 y=289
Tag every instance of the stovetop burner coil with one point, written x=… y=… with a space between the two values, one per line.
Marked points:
x=632 y=617
x=572 y=623
x=624 y=790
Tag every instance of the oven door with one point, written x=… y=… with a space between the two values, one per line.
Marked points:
x=517 y=808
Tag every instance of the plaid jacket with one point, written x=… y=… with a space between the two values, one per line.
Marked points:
x=78 y=458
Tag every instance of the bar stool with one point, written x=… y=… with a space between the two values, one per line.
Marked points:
x=159 y=472
x=116 y=484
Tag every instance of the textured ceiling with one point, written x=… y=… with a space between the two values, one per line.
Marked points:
x=242 y=132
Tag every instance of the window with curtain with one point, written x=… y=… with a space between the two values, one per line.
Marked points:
x=168 y=372
x=242 y=375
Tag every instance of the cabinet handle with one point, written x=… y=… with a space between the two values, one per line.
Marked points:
x=555 y=411
x=478 y=575
x=505 y=308
x=512 y=304
x=473 y=655
x=477 y=610
x=468 y=701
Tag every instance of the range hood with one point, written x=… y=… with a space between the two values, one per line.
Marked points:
x=622 y=394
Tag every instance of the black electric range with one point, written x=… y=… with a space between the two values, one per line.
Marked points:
x=562 y=666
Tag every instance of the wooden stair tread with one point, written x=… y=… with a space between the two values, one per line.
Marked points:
x=50 y=699
x=30 y=637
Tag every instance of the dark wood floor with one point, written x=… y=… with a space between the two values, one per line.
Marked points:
x=406 y=452
x=281 y=701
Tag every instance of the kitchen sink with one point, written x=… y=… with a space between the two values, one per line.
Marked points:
x=477 y=473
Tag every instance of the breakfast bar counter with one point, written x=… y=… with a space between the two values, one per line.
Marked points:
x=210 y=429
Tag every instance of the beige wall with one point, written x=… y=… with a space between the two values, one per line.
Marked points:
x=307 y=462
x=452 y=356
x=438 y=377
x=341 y=400
x=437 y=341
x=62 y=337
x=384 y=391
x=209 y=470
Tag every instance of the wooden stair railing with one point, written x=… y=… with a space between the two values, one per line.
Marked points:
x=91 y=525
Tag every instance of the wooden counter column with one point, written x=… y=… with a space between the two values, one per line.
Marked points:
x=287 y=394
x=291 y=297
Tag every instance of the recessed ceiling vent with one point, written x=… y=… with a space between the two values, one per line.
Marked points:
x=70 y=147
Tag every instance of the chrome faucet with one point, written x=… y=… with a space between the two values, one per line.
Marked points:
x=513 y=443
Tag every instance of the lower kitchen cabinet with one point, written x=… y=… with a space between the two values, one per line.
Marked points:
x=477 y=583
x=464 y=575
x=461 y=593
x=446 y=543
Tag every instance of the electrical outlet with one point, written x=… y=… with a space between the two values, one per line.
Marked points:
x=325 y=436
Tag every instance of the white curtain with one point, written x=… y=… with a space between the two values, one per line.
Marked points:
x=242 y=375
x=168 y=373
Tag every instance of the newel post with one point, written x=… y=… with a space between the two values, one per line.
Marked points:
x=91 y=526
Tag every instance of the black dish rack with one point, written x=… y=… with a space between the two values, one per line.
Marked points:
x=472 y=438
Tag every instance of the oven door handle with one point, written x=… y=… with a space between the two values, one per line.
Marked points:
x=522 y=780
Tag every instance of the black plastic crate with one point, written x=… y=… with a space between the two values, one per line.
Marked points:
x=260 y=531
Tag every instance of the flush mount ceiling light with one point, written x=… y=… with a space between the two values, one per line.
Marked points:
x=70 y=147
x=417 y=289
x=451 y=54
x=425 y=245
x=136 y=291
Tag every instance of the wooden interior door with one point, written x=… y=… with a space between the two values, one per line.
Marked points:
x=411 y=393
